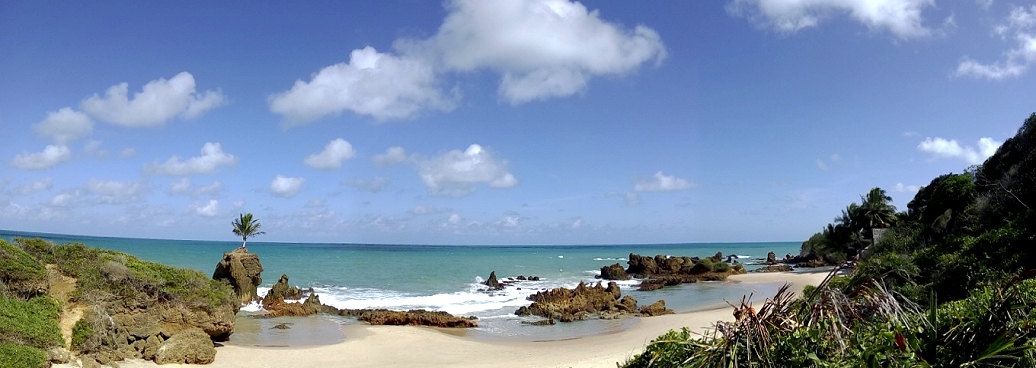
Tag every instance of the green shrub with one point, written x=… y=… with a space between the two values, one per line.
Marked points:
x=14 y=355
x=38 y=248
x=23 y=276
x=81 y=332
x=721 y=267
x=31 y=323
x=669 y=350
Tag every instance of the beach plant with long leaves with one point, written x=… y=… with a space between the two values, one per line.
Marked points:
x=246 y=226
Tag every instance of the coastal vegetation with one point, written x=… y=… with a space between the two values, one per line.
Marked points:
x=115 y=306
x=949 y=283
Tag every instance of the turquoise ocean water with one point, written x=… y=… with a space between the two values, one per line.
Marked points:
x=447 y=277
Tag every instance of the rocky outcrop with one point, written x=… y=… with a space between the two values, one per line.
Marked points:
x=614 y=272
x=771 y=258
x=281 y=291
x=809 y=260
x=655 y=309
x=242 y=270
x=659 y=271
x=188 y=347
x=492 y=282
x=580 y=303
x=415 y=317
x=774 y=268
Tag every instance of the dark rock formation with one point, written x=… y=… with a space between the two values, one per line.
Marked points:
x=774 y=268
x=242 y=270
x=718 y=257
x=281 y=291
x=651 y=284
x=415 y=317
x=187 y=347
x=534 y=278
x=492 y=282
x=641 y=265
x=771 y=258
x=655 y=309
x=809 y=260
x=614 y=272
x=566 y=305
x=659 y=271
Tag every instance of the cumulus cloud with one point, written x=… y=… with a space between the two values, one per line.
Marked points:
x=210 y=209
x=394 y=155
x=1019 y=27
x=65 y=125
x=426 y=210
x=35 y=186
x=158 y=102
x=332 y=156
x=127 y=153
x=286 y=187
x=541 y=49
x=943 y=148
x=662 y=183
x=457 y=173
x=212 y=158
x=184 y=186
x=115 y=192
x=368 y=185
x=380 y=85
x=901 y=18
x=51 y=156
x=900 y=187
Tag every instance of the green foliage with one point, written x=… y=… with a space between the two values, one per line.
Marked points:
x=31 y=323
x=20 y=275
x=14 y=355
x=721 y=267
x=39 y=249
x=81 y=333
x=245 y=227
x=668 y=350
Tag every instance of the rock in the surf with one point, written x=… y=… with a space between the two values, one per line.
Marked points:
x=242 y=270
x=492 y=282
x=614 y=272
x=655 y=309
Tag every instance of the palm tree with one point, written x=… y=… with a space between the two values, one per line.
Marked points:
x=876 y=211
x=245 y=226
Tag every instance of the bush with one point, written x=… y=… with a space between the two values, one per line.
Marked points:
x=721 y=267
x=669 y=350
x=14 y=355
x=31 y=323
x=23 y=276
x=38 y=248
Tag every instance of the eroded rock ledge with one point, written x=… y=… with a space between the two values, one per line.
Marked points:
x=584 y=302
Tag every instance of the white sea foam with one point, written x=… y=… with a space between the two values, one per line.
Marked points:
x=609 y=259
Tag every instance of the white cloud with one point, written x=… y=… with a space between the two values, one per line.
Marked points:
x=632 y=199
x=127 y=153
x=1020 y=25
x=332 y=156
x=901 y=18
x=369 y=185
x=51 y=156
x=65 y=125
x=394 y=155
x=426 y=210
x=900 y=187
x=457 y=173
x=286 y=187
x=984 y=4
x=822 y=165
x=454 y=220
x=210 y=209
x=542 y=49
x=115 y=192
x=158 y=102
x=212 y=157
x=36 y=186
x=662 y=183
x=180 y=186
x=184 y=186
x=381 y=85
x=944 y=148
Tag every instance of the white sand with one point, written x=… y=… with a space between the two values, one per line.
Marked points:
x=407 y=346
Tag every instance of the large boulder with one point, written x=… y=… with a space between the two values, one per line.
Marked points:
x=655 y=309
x=614 y=272
x=579 y=303
x=641 y=265
x=242 y=270
x=191 y=346
x=771 y=258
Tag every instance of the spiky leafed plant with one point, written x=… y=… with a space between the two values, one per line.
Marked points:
x=245 y=226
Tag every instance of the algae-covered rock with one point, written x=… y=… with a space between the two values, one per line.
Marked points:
x=614 y=272
x=655 y=309
x=191 y=346
x=415 y=317
x=242 y=270
x=282 y=291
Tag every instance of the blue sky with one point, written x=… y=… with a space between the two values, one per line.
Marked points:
x=504 y=122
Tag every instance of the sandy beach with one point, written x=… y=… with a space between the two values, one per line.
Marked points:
x=396 y=346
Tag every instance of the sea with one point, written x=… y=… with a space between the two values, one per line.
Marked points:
x=449 y=277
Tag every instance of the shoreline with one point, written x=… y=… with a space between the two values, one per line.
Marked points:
x=381 y=346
